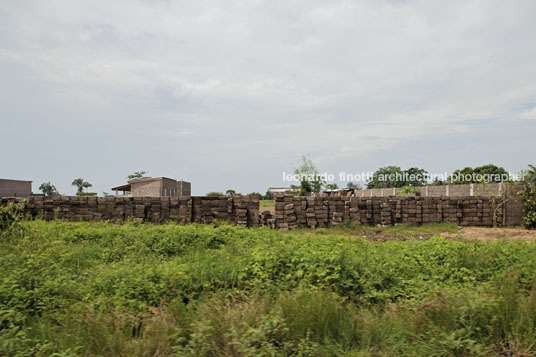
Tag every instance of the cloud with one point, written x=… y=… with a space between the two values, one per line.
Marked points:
x=245 y=88
x=529 y=114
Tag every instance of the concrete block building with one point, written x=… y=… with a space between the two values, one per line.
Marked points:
x=155 y=187
x=15 y=188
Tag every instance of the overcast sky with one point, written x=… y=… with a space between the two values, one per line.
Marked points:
x=229 y=94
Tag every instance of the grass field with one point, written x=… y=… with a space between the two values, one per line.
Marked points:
x=98 y=289
x=266 y=203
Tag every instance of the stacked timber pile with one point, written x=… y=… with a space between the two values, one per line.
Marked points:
x=246 y=210
x=267 y=219
x=242 y=210
x=323 y=211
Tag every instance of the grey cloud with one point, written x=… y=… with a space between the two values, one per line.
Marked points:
x=230 y=94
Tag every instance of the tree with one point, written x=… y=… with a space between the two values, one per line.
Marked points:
x=268 y=195
x=48 y=189
x=415 y=177
x=408 y=191
x=530 y=174
x=215 y=194
x=385 y=177
x=138 y=175
x=332 y=186
x=353 y=186
x=230 y=192
x=529 y=197
x=310 y=180
x=498 y=199
x=481 y=174
x=529 y=204
x=256 y=194
x=81 y=184
x=394 y=176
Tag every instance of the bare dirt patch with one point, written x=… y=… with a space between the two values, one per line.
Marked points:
x=495 y=234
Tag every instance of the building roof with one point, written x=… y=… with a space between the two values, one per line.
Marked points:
x=14 y=180
x=128 y=186
x=122 y=188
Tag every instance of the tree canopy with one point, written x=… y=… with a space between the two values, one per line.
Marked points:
x=48 y=189
x=138 y=175
x=394 y=176
x=485 y=173
x=310 y=181
x=81 y=184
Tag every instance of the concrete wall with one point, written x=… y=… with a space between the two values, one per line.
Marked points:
x=15 y=188
x=151 y=188
x=426 y=191
x=161 y=187
x=168 y=188
x=184 y=189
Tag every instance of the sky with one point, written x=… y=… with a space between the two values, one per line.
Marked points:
x=230 y=94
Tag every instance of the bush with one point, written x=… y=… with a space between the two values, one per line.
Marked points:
x=101 y=289
x=529 y=205
x=11 y=214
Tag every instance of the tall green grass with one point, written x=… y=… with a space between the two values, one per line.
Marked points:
x=98 y=289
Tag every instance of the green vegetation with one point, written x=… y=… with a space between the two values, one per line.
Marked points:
x=394 y=176
x=266 y=203
x=529 y=205
x=310 y=179
x=98 y=289
x=48 y=189
x=80 y=185
x=138 y=175
x=491 y=172
x=408 y=191
x=11 y=214
x=215 y=194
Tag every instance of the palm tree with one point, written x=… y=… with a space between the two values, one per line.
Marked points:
x=81 y=184
x=48 y=189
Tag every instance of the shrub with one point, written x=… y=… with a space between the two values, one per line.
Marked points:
x=529 y=205
x=11 y=214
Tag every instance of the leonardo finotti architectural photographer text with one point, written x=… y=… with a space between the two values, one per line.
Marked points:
x=404 y=177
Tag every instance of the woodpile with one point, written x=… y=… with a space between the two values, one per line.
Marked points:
x=323 y=211
x=242 y=210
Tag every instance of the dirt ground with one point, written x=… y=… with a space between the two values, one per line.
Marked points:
x=493 y=234
x=464 y=233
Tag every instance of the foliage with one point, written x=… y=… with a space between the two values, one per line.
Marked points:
x=408 y=191
x=493 y=172
x=256 y=194
x=106 y=194
x=215 y=194
x=311 y=180
x=353 y=186
x=332 y=186
x=394 y=176
x=268 y=195
x=11 y=214
x=498 y=199
x=530 y=174
x=48 y=189
x=231 y=193
x=529 y=205
x=138 y=175
x=98 y=289
x=88 y=194
x=80 y=184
